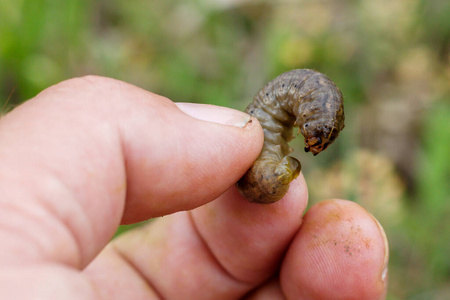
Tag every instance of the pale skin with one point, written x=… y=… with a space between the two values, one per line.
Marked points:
x=91 y=153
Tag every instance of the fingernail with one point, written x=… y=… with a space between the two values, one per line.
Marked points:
x=384 y=271
x=216 y=114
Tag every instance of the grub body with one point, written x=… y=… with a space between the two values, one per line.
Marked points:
x=299 y=98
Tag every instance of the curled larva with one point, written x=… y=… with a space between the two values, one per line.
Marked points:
x=299 y=98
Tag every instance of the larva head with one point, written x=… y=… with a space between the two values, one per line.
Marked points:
x=316 y=145
x=319 y=134
x=321 y=117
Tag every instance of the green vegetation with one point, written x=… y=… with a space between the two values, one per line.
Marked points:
x=390 y=57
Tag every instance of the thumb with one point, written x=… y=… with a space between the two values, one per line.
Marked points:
x=91 y=152
x=188 y=155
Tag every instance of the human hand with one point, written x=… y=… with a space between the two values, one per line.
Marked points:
x=91 y=153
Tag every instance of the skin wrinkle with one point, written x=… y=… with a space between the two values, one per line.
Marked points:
x=136 y=269
x=270 y=290
x=115 y=278
x=241 y=287
x=42 y=214
x=67 y=215
x=66 y=221
x=216 y=259
x=187 y=257
x=22 y=234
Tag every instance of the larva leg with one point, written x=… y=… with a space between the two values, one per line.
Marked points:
x=302 y=98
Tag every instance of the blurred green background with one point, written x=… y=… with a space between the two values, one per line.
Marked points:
x=389 y=57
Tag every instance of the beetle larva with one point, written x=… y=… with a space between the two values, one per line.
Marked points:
x=299 y=98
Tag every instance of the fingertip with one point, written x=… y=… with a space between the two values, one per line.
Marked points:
x=339 y=252
x=214 y=115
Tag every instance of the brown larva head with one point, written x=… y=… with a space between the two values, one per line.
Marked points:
x=316 y=144
x=318 y=136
